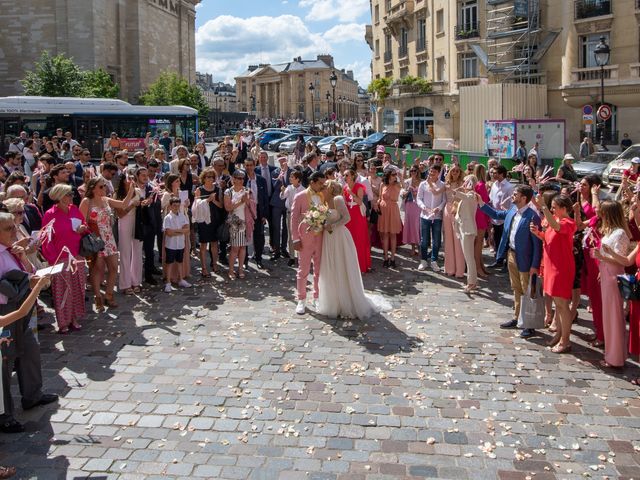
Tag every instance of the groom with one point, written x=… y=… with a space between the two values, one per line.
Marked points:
x=308 y=244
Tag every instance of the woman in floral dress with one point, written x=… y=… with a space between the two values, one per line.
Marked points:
x=96 y=208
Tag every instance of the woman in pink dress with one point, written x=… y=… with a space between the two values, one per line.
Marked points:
x=615 y=240
x=389 y=221
x=411 y=230
x=482 y=219
x=354 y=193
x=63 y=228
x=454 y=263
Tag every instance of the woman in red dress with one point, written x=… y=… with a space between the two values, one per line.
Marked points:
x=559 y=266
x=482 y=219
x=354 y=197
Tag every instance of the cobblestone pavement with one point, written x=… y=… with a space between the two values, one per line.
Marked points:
x=223 y=380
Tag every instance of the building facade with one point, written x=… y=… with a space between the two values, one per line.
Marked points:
x=282 y=90
x=462 y=43
x=133 y=40
x=220 y=96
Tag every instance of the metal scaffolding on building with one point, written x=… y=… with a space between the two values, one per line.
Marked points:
x=515 y=41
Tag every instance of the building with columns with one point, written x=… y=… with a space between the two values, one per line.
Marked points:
x=133 y=40
x=282 y=90
x=456 y=44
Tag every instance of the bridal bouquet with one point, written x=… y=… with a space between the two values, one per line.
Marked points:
x=315 y=218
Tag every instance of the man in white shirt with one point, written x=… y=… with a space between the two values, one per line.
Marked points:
x=500 y=197
x=431 y=200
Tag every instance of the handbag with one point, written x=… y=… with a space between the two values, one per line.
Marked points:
x=532 y=306
x=629 y=287
x=222 y=232
x=90 y=245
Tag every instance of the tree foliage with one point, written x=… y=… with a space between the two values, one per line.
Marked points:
x=171 y=89
x=380 y=87
x=60 y=76
x=422 y=84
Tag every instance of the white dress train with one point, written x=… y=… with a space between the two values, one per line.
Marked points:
x=341 y=290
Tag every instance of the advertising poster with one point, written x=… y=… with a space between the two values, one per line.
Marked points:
x=499 y=139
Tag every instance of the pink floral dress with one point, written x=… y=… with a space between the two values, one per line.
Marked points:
x=102 y=218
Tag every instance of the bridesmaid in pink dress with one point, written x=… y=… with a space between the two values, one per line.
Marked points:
x=454 y=263
x=389 y=221
x=615 y=241
x=411 y=230
x=482 y=219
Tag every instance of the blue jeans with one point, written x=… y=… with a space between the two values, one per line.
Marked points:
x=430 y=232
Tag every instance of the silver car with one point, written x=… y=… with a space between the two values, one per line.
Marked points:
x=594 y=163
x=612 y=175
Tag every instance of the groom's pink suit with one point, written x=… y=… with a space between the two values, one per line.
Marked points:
x=311 y=244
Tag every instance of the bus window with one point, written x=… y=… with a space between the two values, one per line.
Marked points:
x=9 y=129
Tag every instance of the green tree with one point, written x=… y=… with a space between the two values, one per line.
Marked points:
x=381 y=88
x=98 y=84
x=60 y=76
x=171 y=89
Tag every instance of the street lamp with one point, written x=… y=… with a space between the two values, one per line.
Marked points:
x=602 y=53
x=313 y=110
x=333 y=79
x=328 y=97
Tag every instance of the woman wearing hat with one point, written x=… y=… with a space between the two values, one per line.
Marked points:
x=630 y=175
x=566 y=173
x=64 y=226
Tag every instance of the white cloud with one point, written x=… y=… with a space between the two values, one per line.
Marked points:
x=227 y=45
x=361 y=72
x=199 y=5
x=345 y=32
x=343 y=10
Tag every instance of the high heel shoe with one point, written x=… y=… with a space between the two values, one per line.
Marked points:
x=110 y=302
x=554 y=341
x=99 y=304
x=559 y=348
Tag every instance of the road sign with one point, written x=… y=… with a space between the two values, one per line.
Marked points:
x=587 y=128
x=587 y=119
x=604 y=112
x=587 y=110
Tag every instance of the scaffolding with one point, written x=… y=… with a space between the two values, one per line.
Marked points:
x=515 y=41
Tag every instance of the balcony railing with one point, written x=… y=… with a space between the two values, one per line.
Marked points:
x=421 y=44
x=403 y=51
x=593 y=74
x=468 y=82
x=467 y=30
x=592 y=8
x=634 y=69
x=387 y=57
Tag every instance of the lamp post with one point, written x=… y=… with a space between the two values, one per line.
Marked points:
x=602 y=53
x=333 y=79
x=328 y=97
x=313 y=110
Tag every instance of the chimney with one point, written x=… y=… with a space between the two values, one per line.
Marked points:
x=252 y=68
x=328 y=59
x=350 y=74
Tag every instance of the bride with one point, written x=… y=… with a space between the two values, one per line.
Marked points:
x=340 y=284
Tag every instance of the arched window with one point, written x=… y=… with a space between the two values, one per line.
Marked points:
x=417 y=120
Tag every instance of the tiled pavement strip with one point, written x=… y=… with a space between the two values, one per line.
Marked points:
x=224 y=381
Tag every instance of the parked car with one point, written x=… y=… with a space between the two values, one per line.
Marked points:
x=369 y=144
x=264 y=140
x=289 y=146
x=612 y=175
x=325 y=147
x=275 y=144
x=594 y=163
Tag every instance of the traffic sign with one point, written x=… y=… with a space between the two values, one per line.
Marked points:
x=587 y=119
x=604 y=113
x=587 y=110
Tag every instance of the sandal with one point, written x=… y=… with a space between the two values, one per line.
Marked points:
x=635 y=381
x=7 y=472
x=561 y=348
x=129 y=291
x=110 y=302
x=554 y=341
x=205 y=275
x=597 y=343
x=241 y=275
x=232 y=276
x=137 y=289
x=604 y=364
x=99 y=304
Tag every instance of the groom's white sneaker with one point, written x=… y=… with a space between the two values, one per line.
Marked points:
x=423 y=265
x=301 y=307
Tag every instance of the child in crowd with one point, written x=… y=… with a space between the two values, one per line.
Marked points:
x=175 y=227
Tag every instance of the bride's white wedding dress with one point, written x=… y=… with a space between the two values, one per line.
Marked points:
x=341 y=290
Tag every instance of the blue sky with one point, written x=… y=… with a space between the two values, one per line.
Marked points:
x=232 y=34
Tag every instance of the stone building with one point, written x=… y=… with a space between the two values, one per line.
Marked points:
x=220 y=96
x=133 y=40
x=463 y=43
x=282 y=90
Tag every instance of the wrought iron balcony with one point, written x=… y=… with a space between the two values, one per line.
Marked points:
x=467 y=30
x=403 y=51
x=592 y=8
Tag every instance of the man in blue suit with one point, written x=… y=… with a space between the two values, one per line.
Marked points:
x=522 y=249
x=267 y=172
x=258 y=186
x=279 y=238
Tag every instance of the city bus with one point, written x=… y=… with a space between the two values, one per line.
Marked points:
x=92 y=120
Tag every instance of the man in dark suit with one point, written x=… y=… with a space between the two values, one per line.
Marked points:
x=279 y=238
x=267 y=172
x=258 y=186
x=313 y=165
x=31 y=218
x=522 y=248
